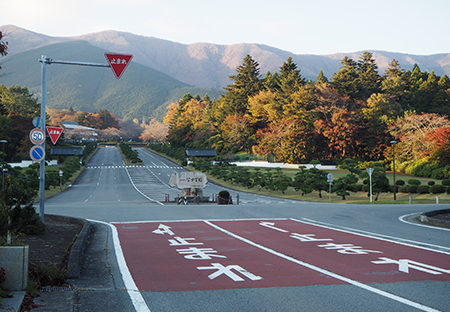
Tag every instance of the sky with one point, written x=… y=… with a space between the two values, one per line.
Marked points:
x=298 y=26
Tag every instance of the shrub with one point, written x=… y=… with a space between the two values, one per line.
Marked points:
x=446 y=182
x=423 y=189
x=414 y=182
x=366 y=188
x=422 y=170
x=410 y=166
x=50 y=274
x=400 y=182
x=437 y=189
x=438 y=173
x=224 y=194
x=411 y=188
x=129 y=153
x=430 y=183
x=89 y=149
x=25 y=220
x=403 y=189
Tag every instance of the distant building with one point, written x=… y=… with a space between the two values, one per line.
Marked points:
x=200 y=153
x=73 y=132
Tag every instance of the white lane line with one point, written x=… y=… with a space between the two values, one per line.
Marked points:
x=387 y=238
x=134 y=293
x=132 y=183
x=404 y=217
x=329 y=273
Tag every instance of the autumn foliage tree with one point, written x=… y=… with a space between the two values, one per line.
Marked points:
x=354 y=114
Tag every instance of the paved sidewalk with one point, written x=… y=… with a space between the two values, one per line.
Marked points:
x=99 y=286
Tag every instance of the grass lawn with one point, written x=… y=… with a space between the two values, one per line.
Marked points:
x=354 y=198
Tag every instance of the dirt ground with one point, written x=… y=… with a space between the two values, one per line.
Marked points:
x=443 y=216
x=52 y=246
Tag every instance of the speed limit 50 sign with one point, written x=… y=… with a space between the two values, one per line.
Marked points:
x=37 y=136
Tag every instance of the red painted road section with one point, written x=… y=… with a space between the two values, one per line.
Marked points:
x=364 y=259
x=193 y=255
x=212 y=260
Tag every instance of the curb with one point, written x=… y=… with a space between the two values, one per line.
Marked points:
x=427 y=218
x=77 y=250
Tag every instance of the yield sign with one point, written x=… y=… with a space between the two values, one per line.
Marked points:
x=54 y=133
x=118 y=62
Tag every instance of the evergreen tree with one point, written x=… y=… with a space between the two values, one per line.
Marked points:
x=290 y=80
x=345 y=80
x=246 y=83
x=369 y=79
x=380 y=182
x=394 y=81
x=321 y=78
x=271 y=82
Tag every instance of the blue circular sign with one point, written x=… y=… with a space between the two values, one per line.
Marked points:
x=37 y=153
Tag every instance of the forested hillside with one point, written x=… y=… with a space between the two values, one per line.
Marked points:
x=355 y=113
x=142 y=92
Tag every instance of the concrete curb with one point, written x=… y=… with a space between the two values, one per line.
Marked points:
x=13 y=304
x=77 y=250
x=427 y=218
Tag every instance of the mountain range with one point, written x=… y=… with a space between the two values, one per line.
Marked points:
x=161 y=70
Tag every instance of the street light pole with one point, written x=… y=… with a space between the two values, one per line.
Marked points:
x=3 y=166
x=393 y=165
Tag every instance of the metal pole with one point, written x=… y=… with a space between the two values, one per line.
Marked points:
x=44 y=60
x=3 y=166
x=393 y=165
x=329 y=192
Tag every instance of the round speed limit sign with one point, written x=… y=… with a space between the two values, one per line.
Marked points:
x=37 y=136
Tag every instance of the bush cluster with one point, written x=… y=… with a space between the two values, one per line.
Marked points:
x=427 y=169
x=132 y=156
x=89 y=149
x=414 y=186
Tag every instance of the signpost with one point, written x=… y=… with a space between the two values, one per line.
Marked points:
x=60 y=179
x=113 y=63
x=370 y=171
x=329 y=180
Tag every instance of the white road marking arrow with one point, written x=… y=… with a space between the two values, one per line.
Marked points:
x=163 y=229
x=270 y=225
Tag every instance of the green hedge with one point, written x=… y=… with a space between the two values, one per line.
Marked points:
x=131 y=155
x=423 y=189
x=437 y=189
x=425 y=168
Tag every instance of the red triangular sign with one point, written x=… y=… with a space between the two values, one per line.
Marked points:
x=118 y=62
x=54 y=133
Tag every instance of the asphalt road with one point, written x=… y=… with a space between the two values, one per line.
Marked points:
x=269 y=254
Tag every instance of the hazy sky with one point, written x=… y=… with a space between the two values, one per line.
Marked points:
x=297 y=26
